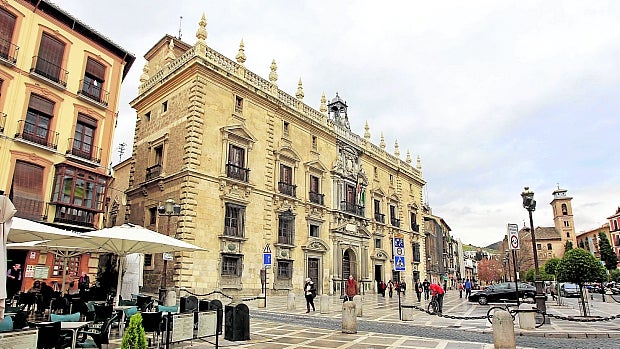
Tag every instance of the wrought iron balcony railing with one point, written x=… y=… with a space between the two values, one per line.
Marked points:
x=85 y=151
x=316 y=198
x=93 y=92
x=2 y=122
x=415 y=227
x=287 y=189
x=395 y=222
x=153 y=172
x=49 y=70
x=37 y=134
x=379 y=217
x=352 y=208
x=236 y=172
x=8 y=51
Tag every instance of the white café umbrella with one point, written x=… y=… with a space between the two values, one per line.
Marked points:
x=24 y=230
x=130 y=238
x=7 y=211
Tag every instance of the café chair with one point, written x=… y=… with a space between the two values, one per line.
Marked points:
x=151 y=322
x=99 y=335
x=50 y=336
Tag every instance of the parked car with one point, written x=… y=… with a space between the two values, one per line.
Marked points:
x=503 y=290
x=568 y=289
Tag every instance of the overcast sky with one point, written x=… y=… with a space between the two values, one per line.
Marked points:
x=493 y=95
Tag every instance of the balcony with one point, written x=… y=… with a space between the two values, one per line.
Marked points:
x=352 y=208
x=74 y=216
x=379 y=217
x=8 y=52
x=316 y=198
x=236 y=172
x=233 y=231
x=287 y=189
x=90 y=153
x=395 y=222
x=286 y=238
x=37 y=134
x=415 y=227
x=49 y=71
x=93 y=93
x=153 y=172
x=2 y=122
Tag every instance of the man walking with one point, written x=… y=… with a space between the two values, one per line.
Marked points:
x=426 y=286
x=467 y=288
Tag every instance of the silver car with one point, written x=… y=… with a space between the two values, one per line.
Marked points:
x=569 y=290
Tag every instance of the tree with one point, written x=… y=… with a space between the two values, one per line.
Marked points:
x=551 y=266
x=134 y=337
x=607 y=253
x=568 y=246
x=614 y=275
x=580 y=266
x=530 y=276
x=490 y=270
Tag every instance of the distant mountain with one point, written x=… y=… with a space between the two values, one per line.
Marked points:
x=494 y=246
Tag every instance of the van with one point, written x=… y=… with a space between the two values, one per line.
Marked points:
x=569 y=290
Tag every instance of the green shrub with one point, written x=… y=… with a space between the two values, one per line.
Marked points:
x=134 y=337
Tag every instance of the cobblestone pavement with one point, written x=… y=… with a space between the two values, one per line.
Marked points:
x=380 y=327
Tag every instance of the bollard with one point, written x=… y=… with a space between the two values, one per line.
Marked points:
x=503 y=330
x=349 y=319
x=171 y=298
x=407 y=313
x=262 y=302
x=290 y=301
x=527 y=317
x=357 y=299
x=324 y=304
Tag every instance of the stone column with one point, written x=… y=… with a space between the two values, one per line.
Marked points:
x=503 y=330
x=349 y=320
x=290 y=301
x=324 y=304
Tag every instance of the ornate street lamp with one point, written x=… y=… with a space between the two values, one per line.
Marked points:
x=530 y=205
x=170 y=208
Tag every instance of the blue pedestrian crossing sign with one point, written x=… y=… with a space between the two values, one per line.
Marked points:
x=399 y=263
x=267 y=256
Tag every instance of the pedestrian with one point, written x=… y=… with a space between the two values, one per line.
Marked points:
x=418 y=289
x=351 y=289
x=390 y=286
x=426 y=285
x=438 y=293
x=382 y=287
x=14 y=280
x=310 y=293
x=84 y=283
x=403 y=287
x=461 y=287
x=467 y=288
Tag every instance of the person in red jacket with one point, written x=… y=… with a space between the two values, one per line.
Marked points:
x=437 y=291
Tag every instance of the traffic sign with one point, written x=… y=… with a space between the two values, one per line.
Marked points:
x=399 y=263
x=267 y=256
x=513 y=236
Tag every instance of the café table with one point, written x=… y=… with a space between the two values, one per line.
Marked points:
x=121 y=309
x=73 y=327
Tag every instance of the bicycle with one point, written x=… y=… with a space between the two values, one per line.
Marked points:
x=513 y=310
x=433 y=306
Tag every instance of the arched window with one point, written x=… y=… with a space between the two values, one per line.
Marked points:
x=564 y=209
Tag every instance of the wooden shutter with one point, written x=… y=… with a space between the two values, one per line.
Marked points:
x=41 y=104
x=51 y=50
x=7 y=25
x=27 y=190
x=95 y=69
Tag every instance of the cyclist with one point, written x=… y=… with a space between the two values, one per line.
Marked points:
x=437 y=291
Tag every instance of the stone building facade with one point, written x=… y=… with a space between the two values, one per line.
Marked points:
x=255 y=168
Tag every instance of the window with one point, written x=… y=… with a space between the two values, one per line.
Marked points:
x=538 y=247
x=379 y=217
x=234 y=220
x=154 y=171
x=566 y=224
x=147 y=116
x=148 y=260
x=549 y=247
x=27 y=190
x=414 y=222
x=564 y=209
x=94 y=77
x=231 y=265
x=84 y=135
x=285 y=186
x=416 y=252
x=235 y=168
x=285 y=127
x=38 y=119
x=49 y=61
x=152 y=215
x=7 y=25
x=286 y=228
x=285 y=269
x=238 y=104
x=375 y=171
x=314 y=142
x=315 y=192
x=391 y=180
x=314 y=230
x=164 y=107
x=378 y=243
x=394 y=216
x=78 y=195
x=567 y=234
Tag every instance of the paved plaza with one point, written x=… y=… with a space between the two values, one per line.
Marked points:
x=379 y=327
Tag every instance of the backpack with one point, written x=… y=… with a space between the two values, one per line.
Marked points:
x=313 y=290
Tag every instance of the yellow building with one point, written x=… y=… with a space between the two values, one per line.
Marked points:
x=59 y=91
x=255 y=169
x=589 y=240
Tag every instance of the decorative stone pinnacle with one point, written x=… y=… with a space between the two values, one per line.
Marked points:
x=408 y=159
x=396 y=149
x=382 y=142
x=366 y=131
x=323 y=108
x=201 y=33
x=273 y=76
x=241 y=54
x=419 y=164
x=300 y=90
x=145 y=73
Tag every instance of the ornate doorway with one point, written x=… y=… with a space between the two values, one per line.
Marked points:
x=349 y=264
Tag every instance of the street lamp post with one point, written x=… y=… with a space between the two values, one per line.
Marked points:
x=170 y=208
x=530 y=205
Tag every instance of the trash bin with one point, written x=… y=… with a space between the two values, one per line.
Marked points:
x=237 y=322
x=216 y=305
